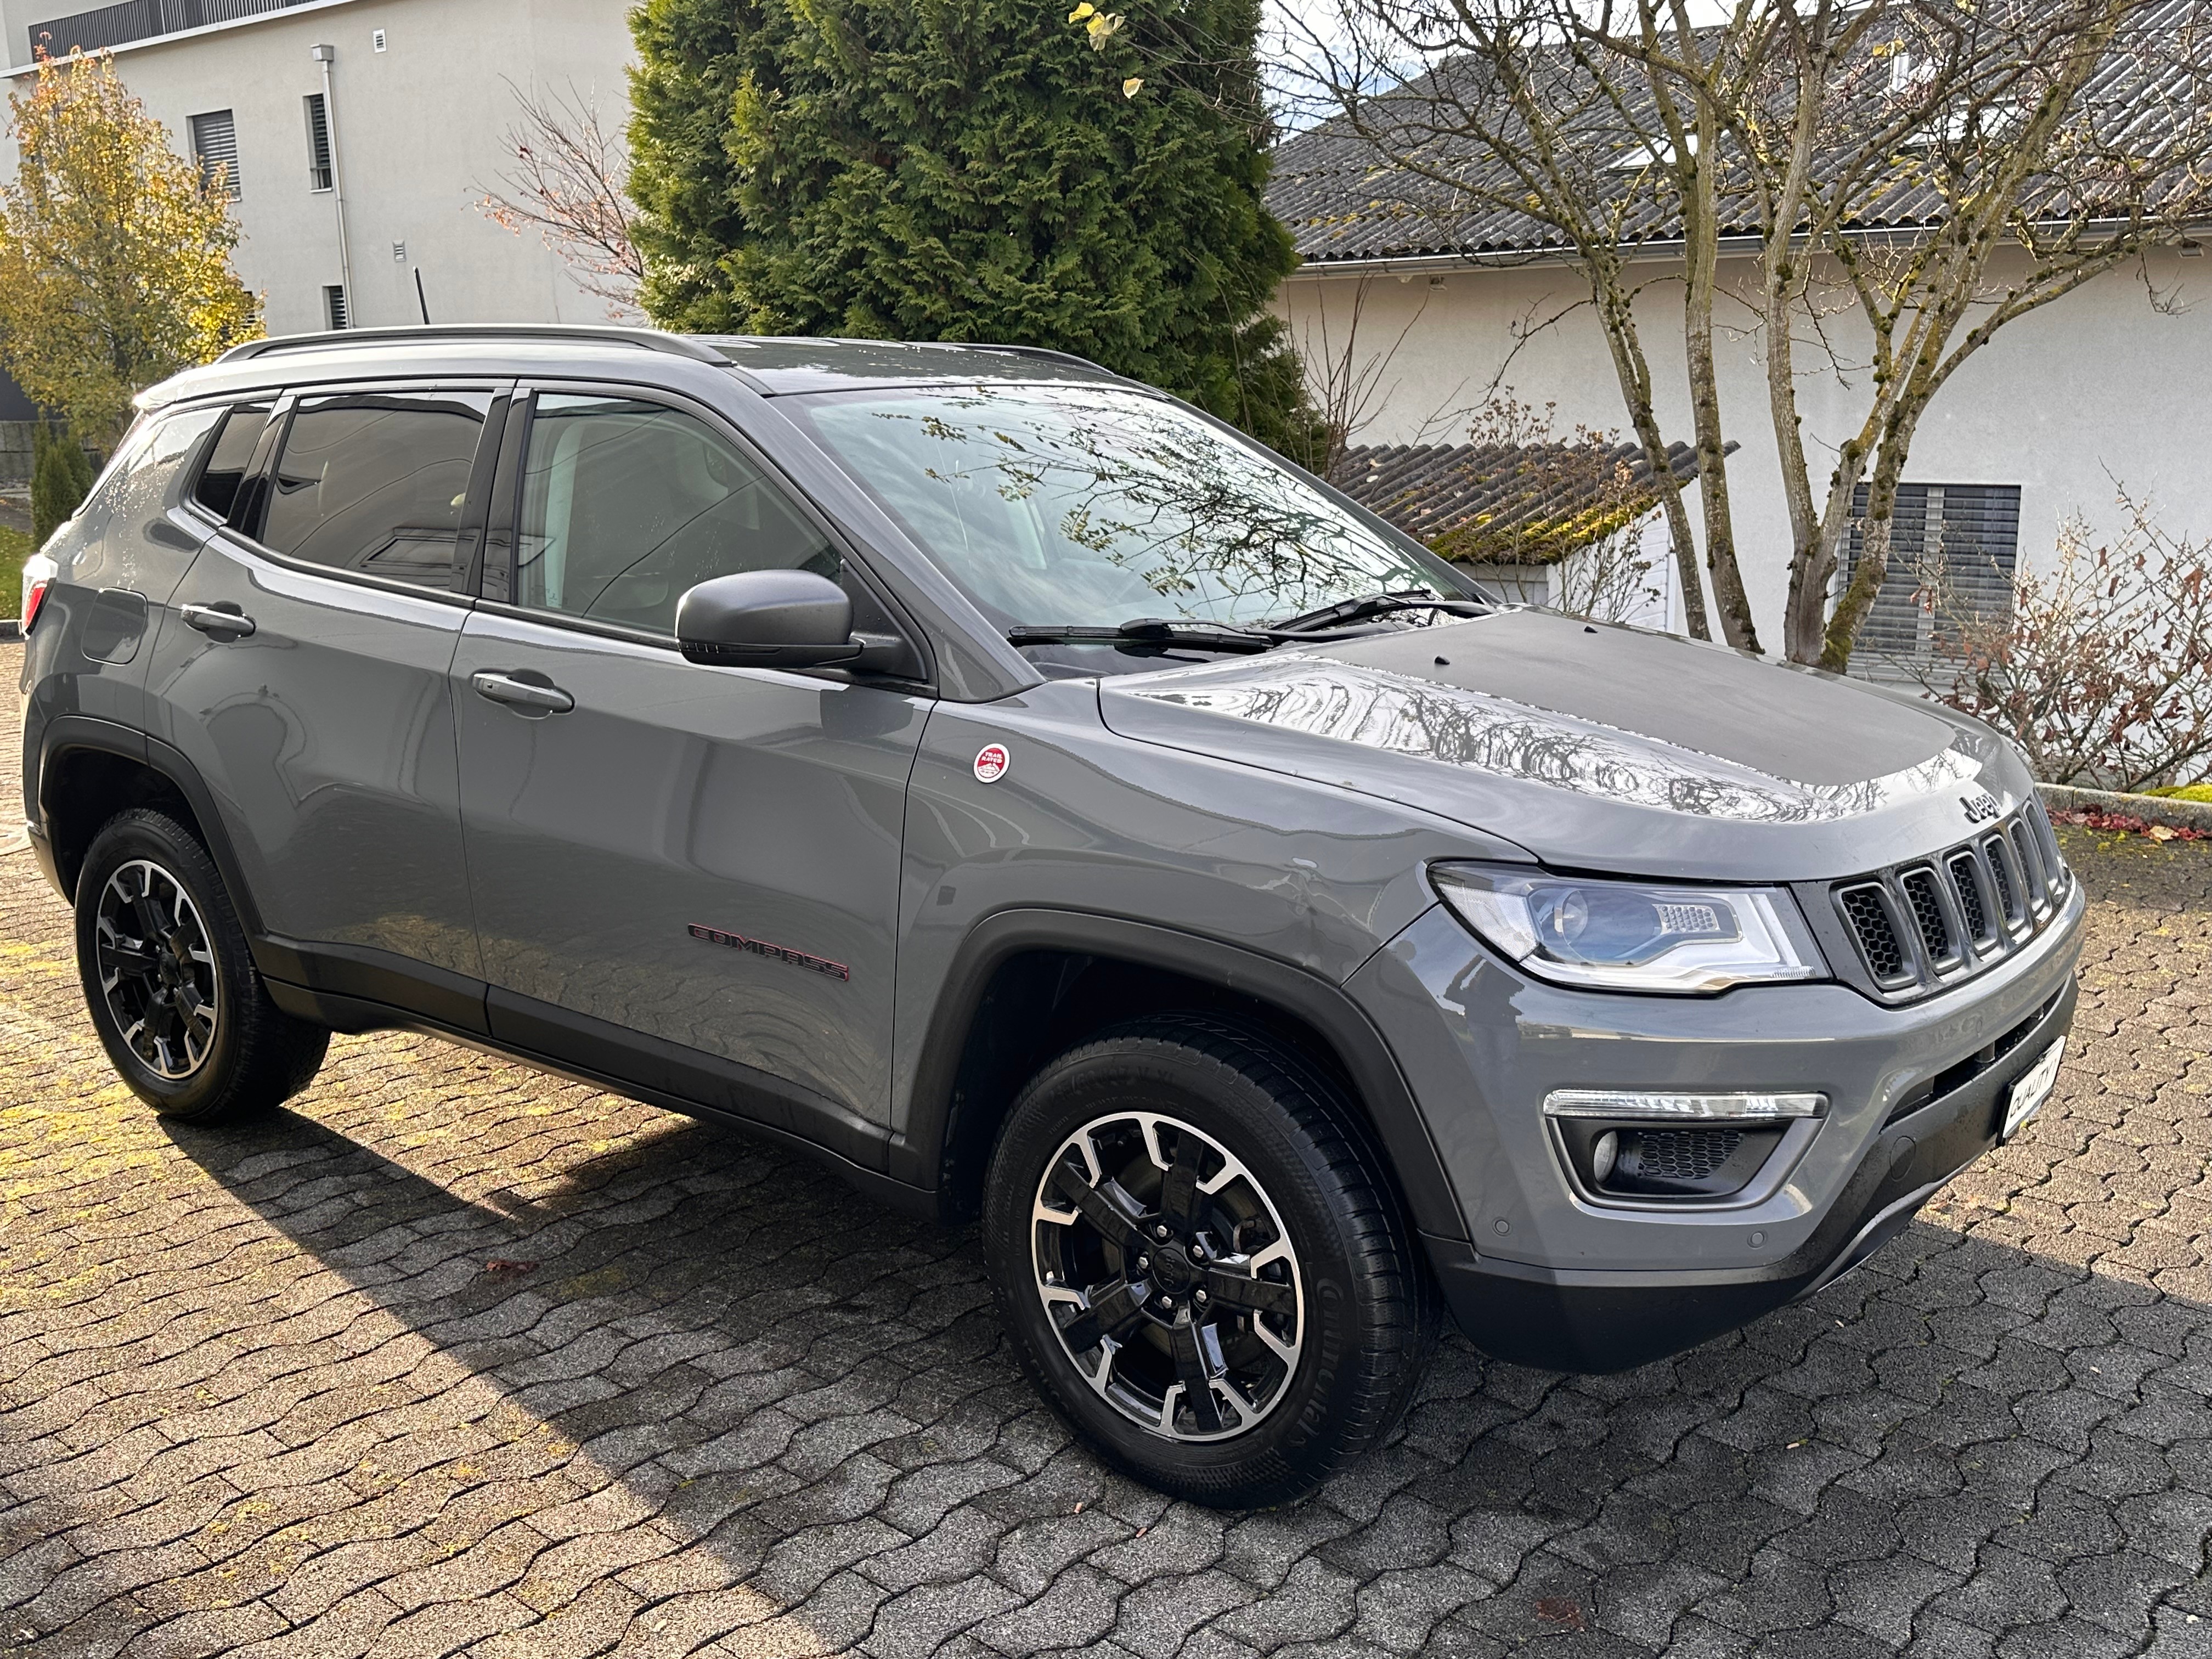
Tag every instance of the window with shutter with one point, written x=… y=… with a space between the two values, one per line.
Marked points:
x=334 y=309
x=319 y=142
x=214 y=143
x=1952 y=552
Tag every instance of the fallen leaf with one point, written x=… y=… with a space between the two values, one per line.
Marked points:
x=500 y=1264
x=1131 y=87
x=1563 y=1611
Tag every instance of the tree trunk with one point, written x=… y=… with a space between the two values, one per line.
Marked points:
x=1700 y=269
x=1615 y=310
x=1813 y=562
x=1873 y=559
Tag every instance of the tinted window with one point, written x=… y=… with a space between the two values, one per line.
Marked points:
x=625 y=505
x=227 y=463
x=375 y=482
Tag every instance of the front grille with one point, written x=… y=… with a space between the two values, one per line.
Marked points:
x=1923 y=925
x=1677 y=1154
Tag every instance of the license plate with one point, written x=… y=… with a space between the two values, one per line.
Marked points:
x=2031 y=1089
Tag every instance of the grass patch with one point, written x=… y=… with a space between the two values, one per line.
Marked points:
x=15 y=548
x=2185 y=792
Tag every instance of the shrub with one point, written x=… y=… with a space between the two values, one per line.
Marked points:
x=2102 y=673
x=61 y=478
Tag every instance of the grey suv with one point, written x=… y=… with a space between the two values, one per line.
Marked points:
x=1011 y=786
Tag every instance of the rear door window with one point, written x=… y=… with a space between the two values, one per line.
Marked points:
x=229 y=460
x=375 y=482
x=626 y=504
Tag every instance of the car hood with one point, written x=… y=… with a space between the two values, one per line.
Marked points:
x=1598 y=747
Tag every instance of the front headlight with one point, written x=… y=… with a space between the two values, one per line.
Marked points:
x=1632 y=936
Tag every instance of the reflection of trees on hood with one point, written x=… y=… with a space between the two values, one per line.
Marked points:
x=1494 y=735
x=1159 y=495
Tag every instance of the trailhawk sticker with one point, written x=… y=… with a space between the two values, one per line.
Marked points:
x=991 y=762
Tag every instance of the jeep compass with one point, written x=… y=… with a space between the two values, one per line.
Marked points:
x=1016 y=789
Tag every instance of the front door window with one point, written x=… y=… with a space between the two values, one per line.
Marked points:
x=626 y=504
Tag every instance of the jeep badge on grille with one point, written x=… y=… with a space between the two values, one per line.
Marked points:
x=1981 y=806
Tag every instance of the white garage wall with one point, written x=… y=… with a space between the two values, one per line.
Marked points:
x=2101 y=380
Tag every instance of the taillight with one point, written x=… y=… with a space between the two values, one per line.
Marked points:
x=34 y=596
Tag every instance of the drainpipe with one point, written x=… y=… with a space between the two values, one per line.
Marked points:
x=326 y=55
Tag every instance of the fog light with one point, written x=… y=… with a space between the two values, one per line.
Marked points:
x=1602 y=1155
x=1637 y=1107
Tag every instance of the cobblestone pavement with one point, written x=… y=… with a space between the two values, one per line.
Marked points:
x=455 y=1358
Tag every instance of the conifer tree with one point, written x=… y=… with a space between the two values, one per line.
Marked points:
x=989 y=170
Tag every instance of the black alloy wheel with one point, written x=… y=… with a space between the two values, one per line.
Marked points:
x=1199 y=1254
x=156 y=969
x=170 y=982
x=1166 y=1270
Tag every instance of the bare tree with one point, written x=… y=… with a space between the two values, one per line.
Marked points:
x=1940 y=168
x=1347 y=382
x=568 y=182
x=1522 y=121
x=1946 y=168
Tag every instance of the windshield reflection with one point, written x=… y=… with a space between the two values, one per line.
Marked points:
x=1090 y=506
x=1496 y=735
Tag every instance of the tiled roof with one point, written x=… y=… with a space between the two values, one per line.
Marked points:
x=1343 y=198
x=1506 y=504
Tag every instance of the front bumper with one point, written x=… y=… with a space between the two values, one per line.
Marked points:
x=1546 y=1277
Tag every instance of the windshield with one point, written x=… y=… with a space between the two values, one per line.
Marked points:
x=1090 y=507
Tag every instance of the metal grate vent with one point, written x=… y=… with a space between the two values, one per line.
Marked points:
x=1684 y=1155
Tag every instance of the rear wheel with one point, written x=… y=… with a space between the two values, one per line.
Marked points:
x=170 y=984
x=1203 y=1262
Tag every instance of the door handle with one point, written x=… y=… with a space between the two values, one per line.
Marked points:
x=522 y=694
x=222 y=620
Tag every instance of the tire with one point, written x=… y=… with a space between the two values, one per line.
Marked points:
x=170 y=984
x=1126 y=1332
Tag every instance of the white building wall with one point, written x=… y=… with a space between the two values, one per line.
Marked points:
x=2096 y=386
x=420 y=131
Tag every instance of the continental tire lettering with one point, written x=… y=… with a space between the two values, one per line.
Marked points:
x=761 y=947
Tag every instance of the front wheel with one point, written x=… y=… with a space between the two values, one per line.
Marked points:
x=170 y=983
x=1203 y=1262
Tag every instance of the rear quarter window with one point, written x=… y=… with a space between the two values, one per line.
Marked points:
x=107 y=545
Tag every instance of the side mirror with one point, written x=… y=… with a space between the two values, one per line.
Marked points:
x=767 y=619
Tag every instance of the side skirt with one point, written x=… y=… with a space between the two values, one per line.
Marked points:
x=630 y=1063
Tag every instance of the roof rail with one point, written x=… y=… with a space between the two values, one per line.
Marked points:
x=1045 y=352
x=678 y=345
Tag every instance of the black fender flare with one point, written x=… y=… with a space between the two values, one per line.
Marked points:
x=917 y=1153
x=66 y=733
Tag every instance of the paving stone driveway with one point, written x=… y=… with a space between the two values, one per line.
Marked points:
x=455 y=1358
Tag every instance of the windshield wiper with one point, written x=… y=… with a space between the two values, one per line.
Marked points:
x=1367 y=606
x=1147 y=630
